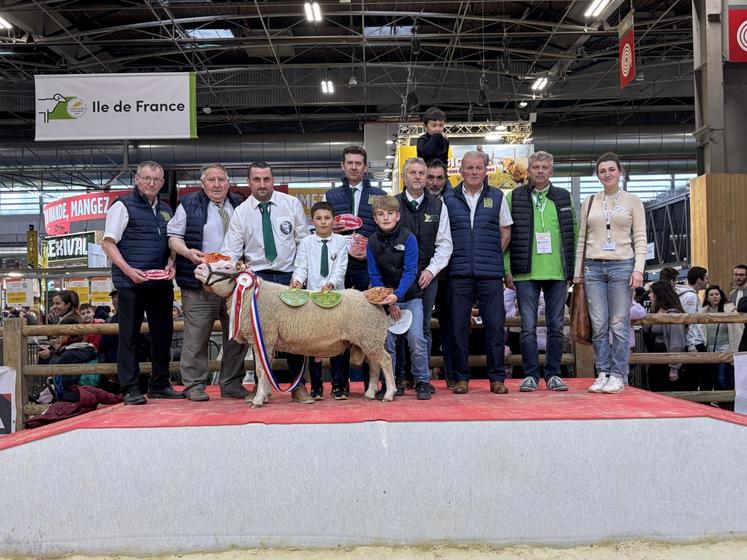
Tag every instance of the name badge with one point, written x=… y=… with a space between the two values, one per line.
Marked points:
x=544 y=242
x=608 y=246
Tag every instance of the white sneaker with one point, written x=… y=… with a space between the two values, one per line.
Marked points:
x=599 y=383
x=614 y=385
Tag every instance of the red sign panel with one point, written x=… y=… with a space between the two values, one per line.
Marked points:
x=627 y=51
x=737 y=35
x=60 y=214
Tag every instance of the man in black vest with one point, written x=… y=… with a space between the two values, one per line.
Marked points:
x=541 y=258
x=198 y=227
x=135 y=240
x=427 y=218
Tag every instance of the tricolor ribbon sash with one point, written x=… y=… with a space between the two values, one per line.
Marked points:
x=245 y=281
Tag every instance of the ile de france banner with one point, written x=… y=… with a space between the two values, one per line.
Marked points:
x=116 y=106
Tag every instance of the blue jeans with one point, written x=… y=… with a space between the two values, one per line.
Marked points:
x=429 y=300
x=608 y=296
x=415 y=340
x=528 y=292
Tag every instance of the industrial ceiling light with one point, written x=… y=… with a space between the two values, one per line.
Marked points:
x=353 y=81
x=501 y=128
x=389 y=142
x=596 y=8
x=328 y=87
x=313 y=12
x=540 y=84
x=523 y=104
x=5 y=24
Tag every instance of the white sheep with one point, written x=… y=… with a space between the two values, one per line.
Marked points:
x=309 y=330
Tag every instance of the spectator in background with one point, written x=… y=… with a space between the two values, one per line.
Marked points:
x=637 y=311
x=665 y=338
x=64 y=304
x=68 y=349
x=720 y=337
x=103 y=312
x=739 y=278
x=88 y=318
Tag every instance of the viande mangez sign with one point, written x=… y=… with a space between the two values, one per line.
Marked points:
x=116 y=106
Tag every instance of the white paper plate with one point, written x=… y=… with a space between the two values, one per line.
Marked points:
x=401 y=326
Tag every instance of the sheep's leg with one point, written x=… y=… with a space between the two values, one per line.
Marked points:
x=264 y=389
x=386 y=367
x=373 y=380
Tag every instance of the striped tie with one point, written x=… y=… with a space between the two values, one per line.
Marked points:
x=224 y=217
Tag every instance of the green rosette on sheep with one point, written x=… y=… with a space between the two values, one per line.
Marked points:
x=294 y=297
x=308 y=330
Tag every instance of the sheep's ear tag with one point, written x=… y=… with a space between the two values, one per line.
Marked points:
x=326 y=299
x=294 y=298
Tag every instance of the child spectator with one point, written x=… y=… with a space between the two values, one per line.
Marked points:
x=393 y=263
x=434 y=144
x=321 y=262
x=87 y=318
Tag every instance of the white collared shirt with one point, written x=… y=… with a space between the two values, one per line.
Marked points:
x=357 y=192
x=212 y=231
x=504 y=217
x=117 y=218
x=444 y=245
x=245 y=239
x=309 y=259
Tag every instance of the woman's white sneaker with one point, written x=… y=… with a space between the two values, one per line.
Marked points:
x=614 y=385
x=598 y=385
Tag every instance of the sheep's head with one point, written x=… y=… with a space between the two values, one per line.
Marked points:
x=220 y=276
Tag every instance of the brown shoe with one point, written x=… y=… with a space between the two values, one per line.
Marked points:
x=461 y=388
x=498 y=387
x=301 y=395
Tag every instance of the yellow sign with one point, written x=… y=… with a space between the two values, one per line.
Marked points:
x=32 y=248
x=100 y=288
x=19 y=292
x=308 y=197
x=79 y=286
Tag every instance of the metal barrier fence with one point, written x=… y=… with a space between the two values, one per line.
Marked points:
x=16 y=353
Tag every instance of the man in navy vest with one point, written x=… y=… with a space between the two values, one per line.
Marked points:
x=198 y=227
x=541 y=258
x=427 y=218
x=135 y=240
x=480 y=231
x=355 y=197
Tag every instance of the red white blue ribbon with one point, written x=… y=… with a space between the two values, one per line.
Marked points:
x=245 y=281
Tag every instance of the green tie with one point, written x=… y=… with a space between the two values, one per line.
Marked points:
x=352 y=201
x=414 y=204
x=270 y=251
x=324 y=266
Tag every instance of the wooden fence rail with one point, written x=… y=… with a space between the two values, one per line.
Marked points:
x=15 y=334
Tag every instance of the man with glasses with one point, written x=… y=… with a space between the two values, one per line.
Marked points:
x=199 y=225
x=135 y=239
x=739 y=279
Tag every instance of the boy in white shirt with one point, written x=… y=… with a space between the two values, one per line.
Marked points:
x=321 y=262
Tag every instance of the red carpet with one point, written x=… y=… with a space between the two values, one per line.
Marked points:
x=479 y=405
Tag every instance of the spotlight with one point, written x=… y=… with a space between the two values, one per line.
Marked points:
x=328 y=87
x=523 y=104
x=313 y=12
x=540 y=84
x=353 y=81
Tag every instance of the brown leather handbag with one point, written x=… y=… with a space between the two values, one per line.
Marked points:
x=580 y=320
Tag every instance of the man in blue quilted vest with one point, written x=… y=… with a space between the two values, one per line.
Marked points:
x=480 y=231
x=135 y=240
x=199 y=225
